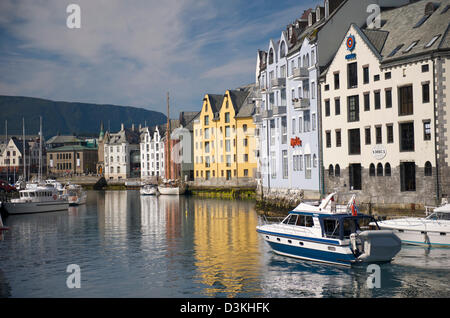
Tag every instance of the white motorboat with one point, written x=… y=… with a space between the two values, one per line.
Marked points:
x=171 y=187
x=75 y=194
x=41 y=198
x=433 y=230
x=331 y=233
x=149 y=189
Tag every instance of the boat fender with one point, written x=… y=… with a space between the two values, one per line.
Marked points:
x=354 y=245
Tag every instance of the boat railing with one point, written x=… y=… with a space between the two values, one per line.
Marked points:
x=272 y=219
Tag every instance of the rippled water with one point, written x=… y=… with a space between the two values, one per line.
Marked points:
x=132 y=246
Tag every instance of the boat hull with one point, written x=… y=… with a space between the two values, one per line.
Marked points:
x=149 y=192
x=171 y=190
x=311 y=249
x=420 y=237
x=36 y=207
x=77 y=200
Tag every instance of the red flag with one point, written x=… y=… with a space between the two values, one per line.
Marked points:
x=354 y=211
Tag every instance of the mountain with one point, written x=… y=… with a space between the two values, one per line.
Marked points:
x=70 y=118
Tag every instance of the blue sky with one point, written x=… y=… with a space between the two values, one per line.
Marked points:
x=132 y=52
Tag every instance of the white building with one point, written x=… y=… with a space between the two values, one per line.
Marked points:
x=152 y=152
x=384 y=99
x=121 y=154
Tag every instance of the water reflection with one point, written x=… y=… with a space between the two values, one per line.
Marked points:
x=129 y=245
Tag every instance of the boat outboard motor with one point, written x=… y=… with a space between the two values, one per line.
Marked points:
x=377 y=246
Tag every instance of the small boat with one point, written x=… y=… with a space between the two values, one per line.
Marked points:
x=149 y=189
x=433 y=230
x=330 y=233
x=38 y=199
x=75 y=194
x=171 y=188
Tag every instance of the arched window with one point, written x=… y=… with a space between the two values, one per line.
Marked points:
x=313 y=57
x=314 y=161
x=379 y=170
x=428 y=169
x=387 y=169
x=307 y=60
x=271 y=56
x=372 y=170
x=304 y=60
x=282 y=49
x=337 y=171
x=330 y=171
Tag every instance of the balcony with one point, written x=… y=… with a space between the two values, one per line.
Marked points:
x=278 y=83
x=301 y=103
x=267 y=113
x=300 y=73
x=279 y=110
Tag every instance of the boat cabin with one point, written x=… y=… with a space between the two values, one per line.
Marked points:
x=341 y=226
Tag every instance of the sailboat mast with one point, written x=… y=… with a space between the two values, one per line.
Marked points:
x=24 y=158
x=40 y=148
x=168 y=138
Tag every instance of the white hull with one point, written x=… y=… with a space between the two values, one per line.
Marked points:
x=152 y=191
x=419 y=235
x=36 y=207
x=77 y=200
x=171 y=190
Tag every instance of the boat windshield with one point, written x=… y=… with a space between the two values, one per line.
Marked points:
x=343 y=227
x=439 y=216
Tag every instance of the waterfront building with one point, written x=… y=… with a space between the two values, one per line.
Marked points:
x=72 y=159
x=152 y=152
x=288 y=117
x=101 y=151
x=122 y=154
x=224 y=143
x=11 y=157
x=385 y=108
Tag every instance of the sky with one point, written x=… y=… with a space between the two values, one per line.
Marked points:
x=132 y=53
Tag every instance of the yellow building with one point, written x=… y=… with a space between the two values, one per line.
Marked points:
x=224 y=137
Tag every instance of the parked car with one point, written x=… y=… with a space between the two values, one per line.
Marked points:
x=6 y=187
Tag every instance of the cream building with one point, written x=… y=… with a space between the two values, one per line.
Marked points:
x=384 y=108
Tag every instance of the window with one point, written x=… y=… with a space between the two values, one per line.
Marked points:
x=410 y=47
x=425 y=68
x=293 y=126
x=353 y=108
x=372 y=170
x=421 y=21
x=271 y=56
x=367 y=135
x=273 y=164
x=307 y=166
x=354 y=144
x=427 y=130
x=366 y=102
x=206 y=120
x=379 y=170
x=331 y=171
x=395 y=50
x=313 y=122
x=285 y=164
x=307 y=120
x=227 y=117
x=227 y=131
x=428 y=169
x=282 y=49
x=376 y=78
x=365 y=74
x=425 y=92
x=352 y=75
x=327 y=87
x=405 y=100
x=377 y=98
x=337 y=171
x=387 y=75
x=327 y=108
x=338 y=138
x=283 y=130
x=390 y=134
x=354 y=172
x=337 y=106
x=328 y=138
x=406 y=137
x=245 y=157
x=388 y=98
x=378 y=135
x=407 y=176
x=336 y=81
x=387 y=169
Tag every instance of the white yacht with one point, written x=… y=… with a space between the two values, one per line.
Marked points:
x=75 y=194
x=171 y=187
x=331 y=233
x=433 y=230
x=41 y=198
x=149 y=189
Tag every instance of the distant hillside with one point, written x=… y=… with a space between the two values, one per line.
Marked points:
x=69 y=118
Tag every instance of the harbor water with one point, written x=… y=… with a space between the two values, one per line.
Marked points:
x=127 y=245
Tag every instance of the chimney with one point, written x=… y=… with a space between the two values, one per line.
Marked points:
x=121 y=127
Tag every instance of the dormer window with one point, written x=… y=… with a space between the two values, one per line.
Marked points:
x=318 y=14
x=410 y=47
x=271 y=56
x=310 y=19
x=282 y=49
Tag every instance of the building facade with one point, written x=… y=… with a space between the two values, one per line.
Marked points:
x=122 y=154
x=74 y=159
x=385 y=108
x=224 y=143
x=152 y=152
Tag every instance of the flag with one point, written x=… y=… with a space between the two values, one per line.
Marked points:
x=354 y=209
